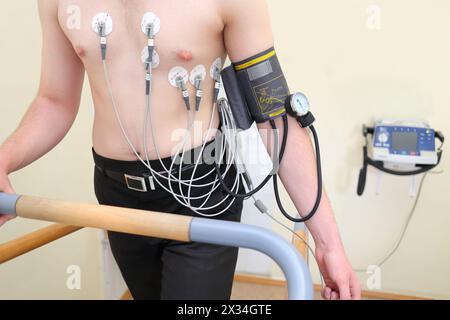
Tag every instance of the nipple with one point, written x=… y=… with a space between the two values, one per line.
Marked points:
x=80 y=51
x=184 y=55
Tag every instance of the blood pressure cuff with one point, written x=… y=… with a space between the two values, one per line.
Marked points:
x=263 y=85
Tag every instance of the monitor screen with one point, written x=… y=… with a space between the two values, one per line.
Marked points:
x=404 y=141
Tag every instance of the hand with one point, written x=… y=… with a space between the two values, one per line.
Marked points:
x=341 y=282
x=5 y=186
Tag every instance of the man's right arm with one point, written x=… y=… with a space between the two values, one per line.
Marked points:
x=53 y=111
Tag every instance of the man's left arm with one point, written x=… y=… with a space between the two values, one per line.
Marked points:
x=247 y=33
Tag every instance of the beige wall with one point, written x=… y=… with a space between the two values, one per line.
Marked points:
x=66 y=173
x=350 y=74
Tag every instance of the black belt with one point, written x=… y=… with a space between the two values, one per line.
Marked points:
x=141 y=183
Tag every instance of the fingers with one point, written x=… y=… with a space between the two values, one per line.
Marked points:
x=350 y=289
x=355 y=288
x=7 y=188
x=334 y=295
x=322 y=293
x=5 y=184
x=4 y=219
x=344 y=291
x=326 y=293
x=330 y=294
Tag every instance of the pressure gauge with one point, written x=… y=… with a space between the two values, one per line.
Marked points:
x=298 y=104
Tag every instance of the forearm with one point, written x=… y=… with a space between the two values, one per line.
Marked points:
x=44 y=125
x=299 y=176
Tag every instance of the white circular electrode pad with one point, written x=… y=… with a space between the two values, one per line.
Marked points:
x=178 y=72
x=149 y=18
x=106 y=19
x=198 y=72
x=217 y=65
x=155 y=60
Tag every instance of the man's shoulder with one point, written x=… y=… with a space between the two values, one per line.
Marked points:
x=233 y=8
x=48 y=6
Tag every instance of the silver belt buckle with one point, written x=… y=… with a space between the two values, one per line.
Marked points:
x=129 y=178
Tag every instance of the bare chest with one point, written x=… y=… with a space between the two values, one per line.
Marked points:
x=188 y=30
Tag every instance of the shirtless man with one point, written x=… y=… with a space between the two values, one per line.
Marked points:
x=192 y=32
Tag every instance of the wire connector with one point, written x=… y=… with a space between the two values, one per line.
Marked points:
x=198 y=93
x=182 y=86
x=150 y=45
x=261 y=206
x=148 y=80
x=217 y=84
x=103 y=40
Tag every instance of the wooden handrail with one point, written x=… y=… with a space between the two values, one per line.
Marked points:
x=15 y=248
x=118 y=219
x=169 y=226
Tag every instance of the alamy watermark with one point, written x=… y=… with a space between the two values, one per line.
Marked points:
x=73 y=281
x=374 y=18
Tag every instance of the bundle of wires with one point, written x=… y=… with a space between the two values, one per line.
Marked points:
x=166 y=178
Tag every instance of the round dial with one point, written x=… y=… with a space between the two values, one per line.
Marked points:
x=383 y=137
x=300 y=104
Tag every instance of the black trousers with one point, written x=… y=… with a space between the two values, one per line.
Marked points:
x=164 y=269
